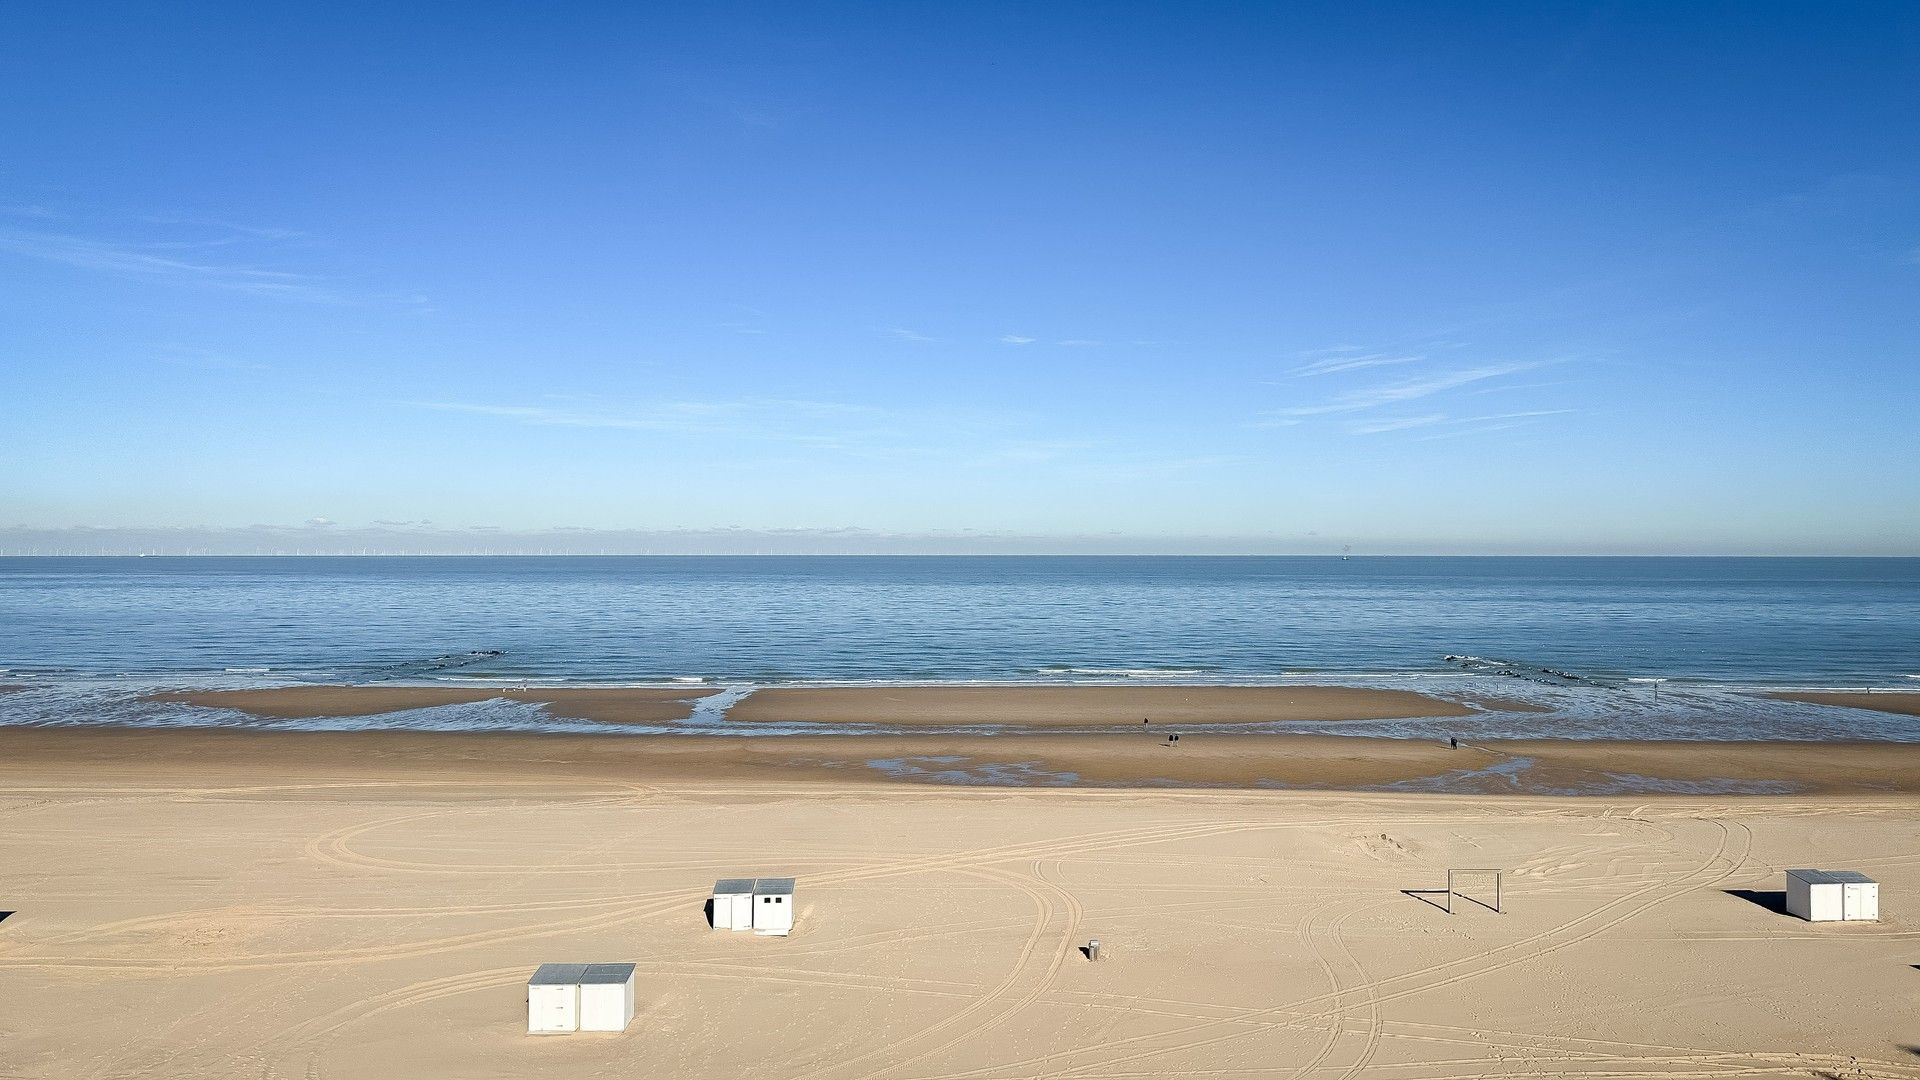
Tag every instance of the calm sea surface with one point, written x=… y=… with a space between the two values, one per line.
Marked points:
x=1802 y=621
x=1705 y=623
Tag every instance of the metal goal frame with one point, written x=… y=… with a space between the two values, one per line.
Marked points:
x=1499 y=877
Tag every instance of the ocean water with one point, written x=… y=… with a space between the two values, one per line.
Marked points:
x=1571 y=634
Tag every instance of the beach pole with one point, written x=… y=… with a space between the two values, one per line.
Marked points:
x=1093 y=949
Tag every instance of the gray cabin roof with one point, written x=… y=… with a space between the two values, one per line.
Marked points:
x=574 y=974
x=557 y=975
x=606 y=973
x=773 y=886
x=733 y=886
x=1831 y=877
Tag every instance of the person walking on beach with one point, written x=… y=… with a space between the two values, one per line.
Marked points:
x=1453 y=742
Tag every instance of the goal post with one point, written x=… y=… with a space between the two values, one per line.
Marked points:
x=1476 y=885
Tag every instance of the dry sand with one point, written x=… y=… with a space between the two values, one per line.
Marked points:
x=607 y=705
x=1081 y=706
x=1905 y=703
x=306 y=906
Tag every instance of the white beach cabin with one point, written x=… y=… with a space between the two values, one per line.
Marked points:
x=563 y=998
x=1833 y=896
x=553 y=999
x=773 y=906
x=606 y=997
x=733 y=904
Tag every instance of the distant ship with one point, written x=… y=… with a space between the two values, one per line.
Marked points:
x=1346 y=552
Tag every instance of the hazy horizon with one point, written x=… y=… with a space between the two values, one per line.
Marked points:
x=311 y=541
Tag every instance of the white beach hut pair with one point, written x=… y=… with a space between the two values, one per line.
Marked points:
x=1833 y=896
x=762 y=905
x=565 y=998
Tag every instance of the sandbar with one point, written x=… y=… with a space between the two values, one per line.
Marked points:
x=1902 y=702
x=1083 y=706
x=1202 y=760
x=607 y=705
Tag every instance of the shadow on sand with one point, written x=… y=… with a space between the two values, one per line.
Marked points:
x=1773 y=900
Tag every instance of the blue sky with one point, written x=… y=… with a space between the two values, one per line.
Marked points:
x=1529 y=277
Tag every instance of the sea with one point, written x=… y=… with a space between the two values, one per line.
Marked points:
x=1666 y=648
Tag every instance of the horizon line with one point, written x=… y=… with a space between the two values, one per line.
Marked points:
x=1335 y=556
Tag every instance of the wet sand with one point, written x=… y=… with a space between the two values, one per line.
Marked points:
x=1901 y=702
x=1091 y=759
x=287 y=906
x=1083 y=706
x=607 y=705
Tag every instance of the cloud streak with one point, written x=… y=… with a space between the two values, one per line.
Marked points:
x=1481 y=425
x=1336 y=364
x=1454 y=425
x=758 y=416
x=1377 y=427
x=1394 y=393
x=149 y=262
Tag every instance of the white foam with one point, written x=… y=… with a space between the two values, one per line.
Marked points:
x=1127 y=673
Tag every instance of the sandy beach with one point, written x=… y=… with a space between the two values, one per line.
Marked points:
x=1903 y=703
x=607 y=705
x=315 y=905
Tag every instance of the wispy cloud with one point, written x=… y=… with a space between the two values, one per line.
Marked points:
x=1376 y=427
x=225 y=232
x=30 y=210
x=1016 y=339
x=1334 y=364
x=160 y=263
x=905 y=334
x=1505 y=388
x=760 y=416
x=1453 y=426
x=1077 y=343
x=191 y=356
x=1394 y=393
x=933 y=434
